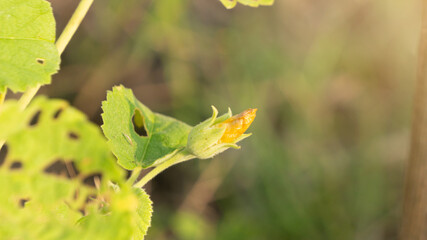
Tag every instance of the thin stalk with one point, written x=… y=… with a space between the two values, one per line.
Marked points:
x=61 y=43
x=414 y=221
x=135 y=174
x=73 y=24
x=28 y=96
x=177 y=158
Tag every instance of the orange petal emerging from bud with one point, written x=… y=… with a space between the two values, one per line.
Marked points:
x=237 y=125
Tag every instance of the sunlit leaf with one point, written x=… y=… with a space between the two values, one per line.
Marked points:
x=161 y=136
x=51 y=129
x=252 y=3
x=229 y=3
x=129 y=218
x=28 y=55
x=53 y=150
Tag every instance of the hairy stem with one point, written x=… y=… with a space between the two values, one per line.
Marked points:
x=177 y=158
x=414 y=220
x=61 y=43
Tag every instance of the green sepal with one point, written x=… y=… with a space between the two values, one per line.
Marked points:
x=204 y=137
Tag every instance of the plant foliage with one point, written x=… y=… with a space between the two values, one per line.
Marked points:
x=163 y=136
x=52 y=153
x=59 y=178
x=28 y=55
x=252 y=3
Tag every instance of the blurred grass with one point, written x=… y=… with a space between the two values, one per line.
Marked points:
x=333 y=82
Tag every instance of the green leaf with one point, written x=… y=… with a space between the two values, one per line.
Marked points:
x=28 y=53
x=60 y=131
x=252 y=3
x=47 y=133
x=164 y=136
x=143 y=213
x=129 y=218
x=229 y=4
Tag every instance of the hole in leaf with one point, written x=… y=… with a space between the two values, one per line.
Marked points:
x=22 y=202
x=3 y=154
x=93 y=180
x=57 y=113
x=35 y=118
x=138 y=123
x=40 y=61
x=73 y=135
x=62 y=168
x=82 y=211
x=16 y=165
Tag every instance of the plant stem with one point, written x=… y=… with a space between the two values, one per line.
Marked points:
x=177 y=158
x=135 y=174
x=61 y=43
x=414 y=221
x=73 y=24
x=27 y=96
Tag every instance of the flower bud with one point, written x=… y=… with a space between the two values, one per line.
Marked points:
x=216 y=135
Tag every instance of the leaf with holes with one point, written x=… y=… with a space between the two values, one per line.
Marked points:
x=136 y=135
x=28 y=55
x=51 y=129
x=48 y=140
x=48 y=180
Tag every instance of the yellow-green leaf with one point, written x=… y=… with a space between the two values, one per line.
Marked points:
x=160 y=139
x=28 y=55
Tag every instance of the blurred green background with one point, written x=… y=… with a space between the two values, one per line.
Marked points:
x=333 y=83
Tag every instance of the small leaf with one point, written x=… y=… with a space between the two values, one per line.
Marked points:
x=229 y=4
x=251 y=3
x=266 y=2
x=163 y=138
x=28 y=55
